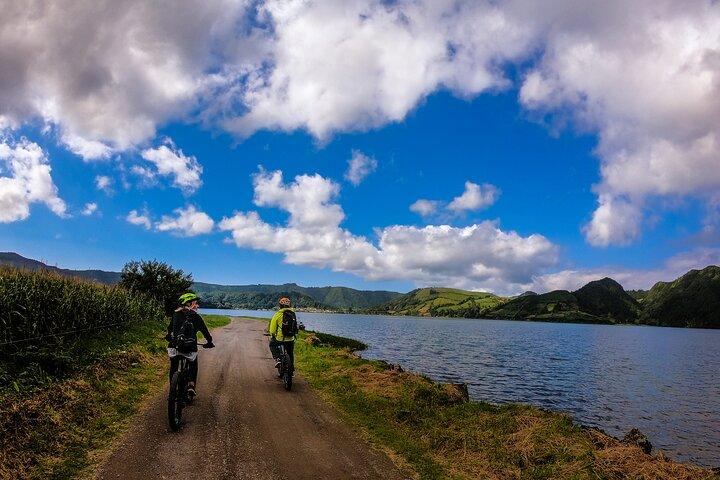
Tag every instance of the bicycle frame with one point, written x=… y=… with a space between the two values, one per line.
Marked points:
x=286 y=368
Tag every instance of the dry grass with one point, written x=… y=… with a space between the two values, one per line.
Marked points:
x=435 y=429
x=39 y=434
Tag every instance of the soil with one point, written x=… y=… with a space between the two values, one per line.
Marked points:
x=245 y=425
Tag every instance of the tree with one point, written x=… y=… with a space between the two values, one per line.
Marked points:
x=156 y=279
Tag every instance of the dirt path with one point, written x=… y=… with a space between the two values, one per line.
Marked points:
x=242 y=416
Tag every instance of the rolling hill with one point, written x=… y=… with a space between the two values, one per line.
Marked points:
x=692 y=300
x=440 y=302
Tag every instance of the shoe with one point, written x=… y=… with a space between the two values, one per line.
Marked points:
x=277 y=363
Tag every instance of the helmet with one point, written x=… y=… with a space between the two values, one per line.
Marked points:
x=284 y=302
x=187 y=297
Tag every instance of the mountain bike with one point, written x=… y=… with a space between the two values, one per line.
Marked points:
x=179 y=397
x=286 y=368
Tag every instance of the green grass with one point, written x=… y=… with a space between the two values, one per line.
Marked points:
x=51 y=425
x=436 y=433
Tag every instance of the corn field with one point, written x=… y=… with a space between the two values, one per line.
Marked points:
x=41 y=306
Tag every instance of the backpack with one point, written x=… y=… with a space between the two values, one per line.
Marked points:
x=289 y=324
x=185 y=338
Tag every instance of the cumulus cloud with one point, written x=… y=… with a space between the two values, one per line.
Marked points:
x=89 y=209
x=642 y=76
x=480 y=256
x=475 y=197
x=25 y=179
x=425 y=208
x=141 y=219
x=645 y=77
x=104 y=183
x=106 y=74
x=188 y=222
x=359 y=167
x=629 y=278
x=171 y=161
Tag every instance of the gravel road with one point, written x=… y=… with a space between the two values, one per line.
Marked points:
x=244 y=425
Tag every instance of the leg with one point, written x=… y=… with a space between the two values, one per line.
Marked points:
x=290 y=349
x=274 y=348
x=173 y=366
x=193 y=372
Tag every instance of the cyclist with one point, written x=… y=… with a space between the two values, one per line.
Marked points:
x=276 y=334
x=186 y=322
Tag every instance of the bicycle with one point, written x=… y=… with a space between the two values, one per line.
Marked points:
x=286 y=368
x=179 y=397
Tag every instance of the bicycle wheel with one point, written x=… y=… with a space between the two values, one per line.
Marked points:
x=287 y=372
x=175 y=400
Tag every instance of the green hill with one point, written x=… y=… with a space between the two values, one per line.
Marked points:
x=607 y=298
x=692 y=300
x=440 y=302
x=601 y=301
x=254 y=300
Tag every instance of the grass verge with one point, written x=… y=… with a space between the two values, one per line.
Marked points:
x=433 y=430
x=51 y=425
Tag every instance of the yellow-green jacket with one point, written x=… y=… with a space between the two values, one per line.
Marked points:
x=275 y=327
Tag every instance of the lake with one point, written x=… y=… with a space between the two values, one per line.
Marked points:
x=664 y=381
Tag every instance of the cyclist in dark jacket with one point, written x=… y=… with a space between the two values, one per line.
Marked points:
x=187 y=312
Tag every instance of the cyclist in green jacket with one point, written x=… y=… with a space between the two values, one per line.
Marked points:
x=276 y=333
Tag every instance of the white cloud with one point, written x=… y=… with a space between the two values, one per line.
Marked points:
x=170 y=161
x=25 y=179
x=629 y=278
x=108 y=74
x=478 y=256
x=642 y=75
x=358 y=64
x=188 y=222
x=141 y=219
x=645 y=77
x=89 y=209
x=425 y=208
x=88 y=149
x=475 y=197
x=104 y=183
x=359 y=167
x=615 y=222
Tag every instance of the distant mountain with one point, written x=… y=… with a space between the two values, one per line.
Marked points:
x=600 y=301
x=607 y=298
x=440 y=302
x=254 y=300
x=337 y=298
x=692 y=300
x=18 y=261
x=236 y=296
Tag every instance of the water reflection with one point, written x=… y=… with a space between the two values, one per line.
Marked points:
x=660 y=380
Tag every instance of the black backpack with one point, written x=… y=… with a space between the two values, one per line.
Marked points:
x=186 y=338
x=289 y=324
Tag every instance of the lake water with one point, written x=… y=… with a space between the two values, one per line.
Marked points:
x=664 y=381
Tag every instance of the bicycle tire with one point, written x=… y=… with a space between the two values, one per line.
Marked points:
x=287 y=373
x=175 y=401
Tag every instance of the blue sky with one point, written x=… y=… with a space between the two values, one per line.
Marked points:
x=500 y=146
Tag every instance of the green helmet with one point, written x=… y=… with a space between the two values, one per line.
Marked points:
x=187 y=297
